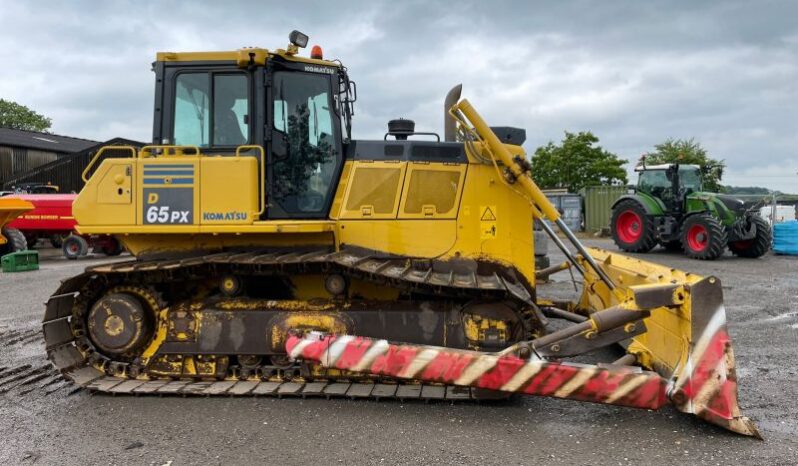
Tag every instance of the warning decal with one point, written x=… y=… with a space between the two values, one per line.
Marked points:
x=487 y=214
x=487 y=222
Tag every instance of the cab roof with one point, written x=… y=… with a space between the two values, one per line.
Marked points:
x=243 y=57
x=663 y=166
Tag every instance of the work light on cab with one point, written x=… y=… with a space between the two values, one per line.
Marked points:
x=298 y=39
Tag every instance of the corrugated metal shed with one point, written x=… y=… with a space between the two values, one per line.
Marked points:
x=598 y=205
x=65 y=172
x=21 y=151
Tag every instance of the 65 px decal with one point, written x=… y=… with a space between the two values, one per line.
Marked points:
x=168 y=206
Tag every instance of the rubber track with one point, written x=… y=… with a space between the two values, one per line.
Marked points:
x=399 y=272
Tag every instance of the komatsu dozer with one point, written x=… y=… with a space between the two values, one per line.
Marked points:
x=275 y=255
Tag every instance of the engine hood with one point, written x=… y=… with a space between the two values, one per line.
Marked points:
x=732 y=203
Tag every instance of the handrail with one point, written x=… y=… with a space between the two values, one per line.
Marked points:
x=262 y=199
x=147 y=151
x=94 y=159
x=414 y=133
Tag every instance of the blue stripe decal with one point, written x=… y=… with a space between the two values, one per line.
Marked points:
x=168 y=172
x=168 y=165
x=174 y=181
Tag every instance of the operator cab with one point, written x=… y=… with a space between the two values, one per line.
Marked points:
x=298 y=109
x=669 y=182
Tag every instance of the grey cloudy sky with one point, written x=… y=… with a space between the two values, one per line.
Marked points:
x=634 y=73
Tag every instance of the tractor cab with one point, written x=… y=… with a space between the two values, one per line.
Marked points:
x=670 y=183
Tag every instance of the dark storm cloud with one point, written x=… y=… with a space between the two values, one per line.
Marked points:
x=634 y=73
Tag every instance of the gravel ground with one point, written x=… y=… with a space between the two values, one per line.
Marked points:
x=45 y=422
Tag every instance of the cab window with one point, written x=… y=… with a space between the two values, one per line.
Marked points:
x=302 y=114
x=653 y=181
x=690 y=179
x=211 y=109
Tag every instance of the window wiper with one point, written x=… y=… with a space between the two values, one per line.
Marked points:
x=283 y=108
x=199 y=112
x=315 y=121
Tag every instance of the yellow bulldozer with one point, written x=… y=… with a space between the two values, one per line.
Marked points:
x=277 y=256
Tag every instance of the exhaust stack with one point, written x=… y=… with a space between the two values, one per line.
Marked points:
x=449 y=125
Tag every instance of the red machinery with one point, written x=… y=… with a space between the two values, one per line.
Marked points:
x=52 y=218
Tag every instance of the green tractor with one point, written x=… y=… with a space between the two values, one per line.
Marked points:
x=669 y=208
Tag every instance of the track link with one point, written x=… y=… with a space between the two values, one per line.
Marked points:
x=96 y=381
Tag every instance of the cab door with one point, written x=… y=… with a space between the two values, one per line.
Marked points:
x=306 y=155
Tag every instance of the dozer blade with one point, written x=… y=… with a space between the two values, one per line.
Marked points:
x=686 y=341
x=672 y=322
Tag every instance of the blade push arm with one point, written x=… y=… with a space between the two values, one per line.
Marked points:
x=519 y=174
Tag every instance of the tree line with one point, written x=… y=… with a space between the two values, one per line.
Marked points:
x=16 y=116
x=579 y=161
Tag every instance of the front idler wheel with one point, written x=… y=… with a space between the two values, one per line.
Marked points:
x=703 y=237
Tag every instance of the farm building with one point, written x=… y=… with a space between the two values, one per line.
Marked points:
x=66 y=170
x=22 y=151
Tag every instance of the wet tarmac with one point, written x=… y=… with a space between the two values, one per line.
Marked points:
x=46 y=421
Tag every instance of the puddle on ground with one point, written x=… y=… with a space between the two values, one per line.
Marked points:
x=783 y=316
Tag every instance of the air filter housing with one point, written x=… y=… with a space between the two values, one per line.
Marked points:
x=401 y=128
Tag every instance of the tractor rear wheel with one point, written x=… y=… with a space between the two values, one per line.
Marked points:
x=756 y=246
x=703 y=237
x=632 y=229
x=15 y=241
